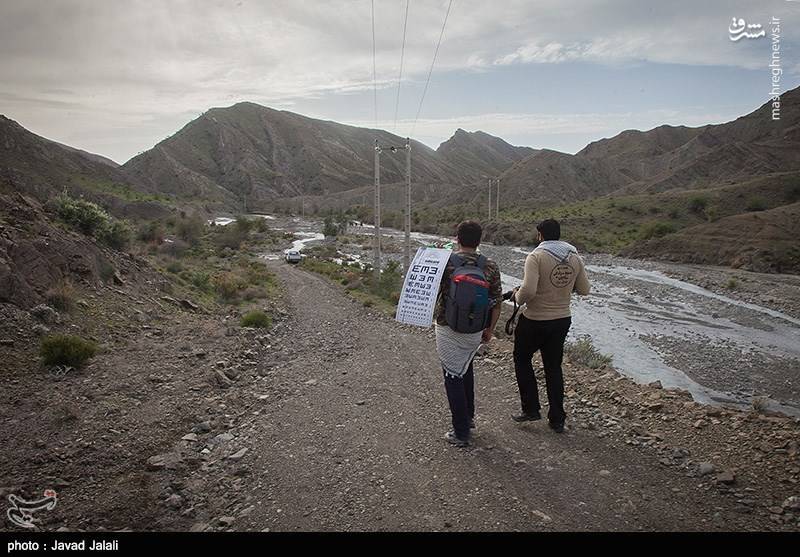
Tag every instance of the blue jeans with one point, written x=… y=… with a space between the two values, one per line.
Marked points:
x=461 y=397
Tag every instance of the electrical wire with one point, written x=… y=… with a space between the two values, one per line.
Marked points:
x=433 y=63
x=400 y=77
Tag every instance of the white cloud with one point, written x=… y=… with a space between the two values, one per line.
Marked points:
x=114 y=66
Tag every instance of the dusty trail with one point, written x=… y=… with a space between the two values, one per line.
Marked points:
x=356 y=443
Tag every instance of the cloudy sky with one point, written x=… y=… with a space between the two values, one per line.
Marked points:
x=115 y=77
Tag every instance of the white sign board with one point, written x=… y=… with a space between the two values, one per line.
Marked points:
x=418 y=299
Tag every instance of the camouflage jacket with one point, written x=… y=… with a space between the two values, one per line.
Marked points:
x=492 y=272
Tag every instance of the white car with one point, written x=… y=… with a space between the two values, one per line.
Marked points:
x=293 y=256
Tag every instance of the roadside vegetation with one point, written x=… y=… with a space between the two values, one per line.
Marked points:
x=91 y=219
x=361 y=282
x=66 y=350
x=583 y=352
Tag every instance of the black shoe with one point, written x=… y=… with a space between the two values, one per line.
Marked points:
x=525 y=417
x=451 y=438
x=472 y=424
x=558 y=428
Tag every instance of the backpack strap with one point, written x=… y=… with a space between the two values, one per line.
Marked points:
x=481 y=262
x=456 y=260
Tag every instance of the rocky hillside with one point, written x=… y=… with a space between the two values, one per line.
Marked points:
x=41 y=168
x=666 y=158
x=763 y=241
x=246 y=155
x=479 y=152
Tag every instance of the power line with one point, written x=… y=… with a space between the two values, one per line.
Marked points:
x=400 y=77
x=374 y=71
x=433 y=63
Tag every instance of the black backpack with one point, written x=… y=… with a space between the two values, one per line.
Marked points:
x=467 y=303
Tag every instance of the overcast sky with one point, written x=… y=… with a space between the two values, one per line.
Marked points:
x=115 y=77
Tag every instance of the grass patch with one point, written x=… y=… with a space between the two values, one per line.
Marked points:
x=583 y=352
x=62 y=296
x=66 y=350
x=256 y=320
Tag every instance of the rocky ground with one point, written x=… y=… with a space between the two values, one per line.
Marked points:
x=334 y=420
x=780 y=292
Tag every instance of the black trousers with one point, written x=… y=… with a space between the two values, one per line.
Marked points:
x=461 y=397
x=547 y=337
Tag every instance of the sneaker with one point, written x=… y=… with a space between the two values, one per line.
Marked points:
x=558 y=428
x=525 y=417
x=451 y=438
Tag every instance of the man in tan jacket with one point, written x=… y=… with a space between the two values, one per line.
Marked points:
x=552 y=272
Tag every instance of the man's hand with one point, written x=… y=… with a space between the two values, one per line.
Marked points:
x=486 y=337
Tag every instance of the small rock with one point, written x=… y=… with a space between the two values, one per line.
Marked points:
x=202 y=427
x=45 y=314
x=174 y=501
x=699 y=424
x=604 y=472
x=705 y=468
x=792 y=503
x=199 y=527
x=226 y=520
x=6 y=342
x=655 y=385
x=726 y=477
x=655 y=407
x=311 y=382
x=223 y=438
x=192 y=437
x=238 y=454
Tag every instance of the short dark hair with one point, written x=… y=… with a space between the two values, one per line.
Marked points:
x=469 y=234
x=550 y=229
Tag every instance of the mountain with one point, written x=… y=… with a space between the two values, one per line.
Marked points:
x=253 y=153
x=481 y=153
x=41 y=168
x=666 y=158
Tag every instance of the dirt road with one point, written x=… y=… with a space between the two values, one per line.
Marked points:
x=354 y=441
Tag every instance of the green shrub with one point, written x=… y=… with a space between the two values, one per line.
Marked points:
x=257 y=320
x=698 y=204
x=84 y=215
x=114 y=234
x=756 y=204
x=583 y=352
x=732 y=284
x=175 y=267
x=190 y=229
x=657 y=230
x=66 y=350
x=151 y=232
x=227 y=286
x=93 y=220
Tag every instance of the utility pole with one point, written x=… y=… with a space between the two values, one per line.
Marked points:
x=490 y=199
x=407 y=257
x=497 y=212
x=377 y=219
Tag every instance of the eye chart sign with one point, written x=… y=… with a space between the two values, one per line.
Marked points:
x=418 y=298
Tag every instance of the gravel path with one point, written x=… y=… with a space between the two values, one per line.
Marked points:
x=354 y=441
